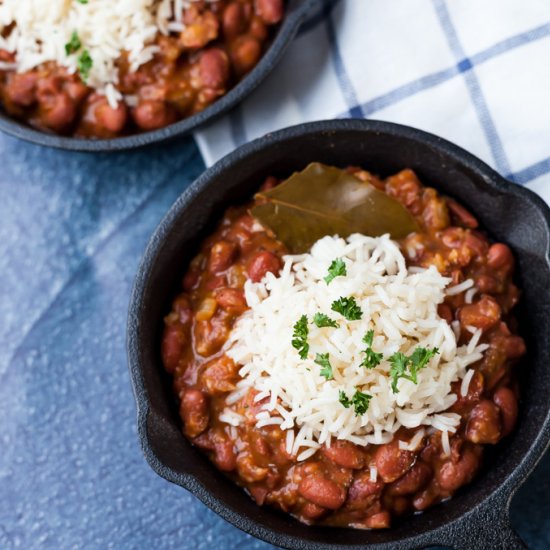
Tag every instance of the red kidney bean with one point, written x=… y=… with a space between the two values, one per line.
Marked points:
x=392 y=462
x=363 y=492
x=500 y=257
x=345 y=454
x=259 y=494
x=486 y=283
x=484 y=424
x=234 y=20
x=113 y=119
x=57 y=111
x=425 y=499
x=508 y=405
x=514 y=346
x=271 y=11
x=225 y=458
x=210 y=335
x=173 y=344
x=483 y=314
x=194 y=411
x=231 y=299
x=262 y=263
x=414 y=480
x=219 y=375
x=312 y=511
x=461 y=215
x=153 y=114
x=245 y=52
x=21 y=88
x=453 y=475
x=6 y=56
x=476 y=243
x=214 y=68
x=406 y=188
x=445 y=312
x=205 y=441
x=200 y=31
x=77 y=91
x=382 y=520
x=258 y=29
x=216 y=282
x=221 y=256
x=259 y=446
x=322 y=491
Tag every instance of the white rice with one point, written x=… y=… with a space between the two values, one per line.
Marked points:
x=106 y=29
x=469 y=295
x=445 y=444
x=461 y=287
x=465 y=385
x=400 y=305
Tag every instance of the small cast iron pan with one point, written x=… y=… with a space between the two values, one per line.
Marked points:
x=295 y=13
x=477 y=517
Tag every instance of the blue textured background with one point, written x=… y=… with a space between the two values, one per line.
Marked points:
x=72 y=230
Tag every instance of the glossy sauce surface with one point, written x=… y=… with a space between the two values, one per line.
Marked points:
x=334 y=487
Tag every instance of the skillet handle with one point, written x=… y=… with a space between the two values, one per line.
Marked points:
x=486 y=527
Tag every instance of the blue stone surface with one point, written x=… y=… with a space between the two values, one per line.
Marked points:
x=72 y=230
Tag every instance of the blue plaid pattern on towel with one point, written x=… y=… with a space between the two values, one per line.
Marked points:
x=476 y=73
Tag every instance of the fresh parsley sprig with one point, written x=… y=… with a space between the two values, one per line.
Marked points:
x=348 y=308
x=84 y=64
x=323 y=360
x=322 y=320
x=359 y=400
x=299 y=337
x=372 y=359
x=403 y=366
x=84 y=61
x=74 y=44
x=336 y=269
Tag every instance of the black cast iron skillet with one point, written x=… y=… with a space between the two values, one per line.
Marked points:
x=295 y=13
x=477 y=517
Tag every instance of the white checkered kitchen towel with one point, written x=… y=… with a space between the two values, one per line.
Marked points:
x=476 y=72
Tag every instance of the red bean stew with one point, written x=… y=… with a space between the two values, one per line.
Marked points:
x=334 y=486
x=221 y=43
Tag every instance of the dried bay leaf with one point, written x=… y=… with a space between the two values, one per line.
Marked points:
x=323 y=200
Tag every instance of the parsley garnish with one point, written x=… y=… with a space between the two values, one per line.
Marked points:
x=82 y=1
x=400 y=364
x=323 y=360
x=336 y=269
x=84 y=64
x=372 y=359
x=73 y=45
x=322 y=320
x=359 y=400
x=299 y=337
x=348 y=308
x=368 y=338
